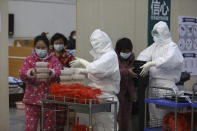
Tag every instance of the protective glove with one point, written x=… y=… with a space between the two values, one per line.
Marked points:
x=146 y=67
x=81 y=71
x=79 y=61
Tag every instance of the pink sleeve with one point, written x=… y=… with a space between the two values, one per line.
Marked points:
x=25 y=70
x=56 y=68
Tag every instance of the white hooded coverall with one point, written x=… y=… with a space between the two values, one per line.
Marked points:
x=104 y=74
x=168 y=65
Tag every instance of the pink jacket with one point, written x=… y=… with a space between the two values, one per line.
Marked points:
x=36 y=89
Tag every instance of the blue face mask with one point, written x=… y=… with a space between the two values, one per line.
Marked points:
x=157 y=39
x=125 y=55
x=59 y=47
x=41 y=53
x=74 y=37
x=155 y=35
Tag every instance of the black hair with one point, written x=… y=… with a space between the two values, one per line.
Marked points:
x=58 y=36
x=43 y=38
x=71 y=34
x=123 y=44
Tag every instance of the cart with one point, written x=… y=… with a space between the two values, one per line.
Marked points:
x=165 y=102
x=87 y=106
x=194 y=106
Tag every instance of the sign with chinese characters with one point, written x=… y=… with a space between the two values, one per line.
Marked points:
x=188 y=43
x=158 y=10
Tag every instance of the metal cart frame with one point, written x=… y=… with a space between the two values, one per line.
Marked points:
x=175 y=106
x=89 y=107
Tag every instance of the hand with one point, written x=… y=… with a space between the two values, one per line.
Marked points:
x=75 y=63
x=79 y=61
x=50 y=73
x=145 y=68
x=81 y=71
x=132 y=73
x=33 y=72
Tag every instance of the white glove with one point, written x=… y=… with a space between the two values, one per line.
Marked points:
x=146 y=67
x=81 y=71
x=79 y=61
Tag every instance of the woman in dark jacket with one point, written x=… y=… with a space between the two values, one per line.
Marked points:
x=127 y=93
x=72 y=41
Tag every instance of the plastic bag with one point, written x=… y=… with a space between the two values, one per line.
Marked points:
x=77 y=91
x=183 y=122
x=42 y=64
x=42 y=70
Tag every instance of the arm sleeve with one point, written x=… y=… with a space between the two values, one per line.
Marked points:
x=104 y=66
x=125 y=71
x=56 y=68
x=24 y=72
x=146 y=54
x=171 y=59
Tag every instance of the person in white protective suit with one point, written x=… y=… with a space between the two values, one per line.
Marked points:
x=103 y=73
x=164 y=63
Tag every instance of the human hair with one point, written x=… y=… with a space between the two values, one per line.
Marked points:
x=58 y=36
x=123 y=44
x=43 y=38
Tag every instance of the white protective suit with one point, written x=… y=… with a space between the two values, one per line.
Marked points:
x=104 y=74
x=167 y=67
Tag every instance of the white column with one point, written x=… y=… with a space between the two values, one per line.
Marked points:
x=4 y=102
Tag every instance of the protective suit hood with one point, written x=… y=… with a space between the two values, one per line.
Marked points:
x=100 y=42
x=163 y=31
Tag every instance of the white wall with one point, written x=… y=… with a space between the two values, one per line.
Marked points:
x=4 y=102
x=124 y=18
x=118 y=18
x=33 y=17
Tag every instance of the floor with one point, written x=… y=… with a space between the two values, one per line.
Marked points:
x=17 y=120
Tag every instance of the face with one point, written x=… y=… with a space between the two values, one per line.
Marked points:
x=74 y=34
x=126 y=51
x=41 y=45
x=155 y=33
x=59 y=42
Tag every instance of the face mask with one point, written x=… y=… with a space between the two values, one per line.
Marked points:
x=41 y=53
x=74 y=37
x=59 y=47
x=157 y=39
x=125 y=55
x=155 y=35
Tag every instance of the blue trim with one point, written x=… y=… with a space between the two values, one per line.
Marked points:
x=164 y=102
x=194 y=105
x=153 y=129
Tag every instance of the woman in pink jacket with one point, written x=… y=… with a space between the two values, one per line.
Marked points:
x=35 y=88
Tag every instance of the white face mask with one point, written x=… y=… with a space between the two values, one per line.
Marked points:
x=74 y=37
x=58 y=47
x=125 y=55
x=41 y=53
